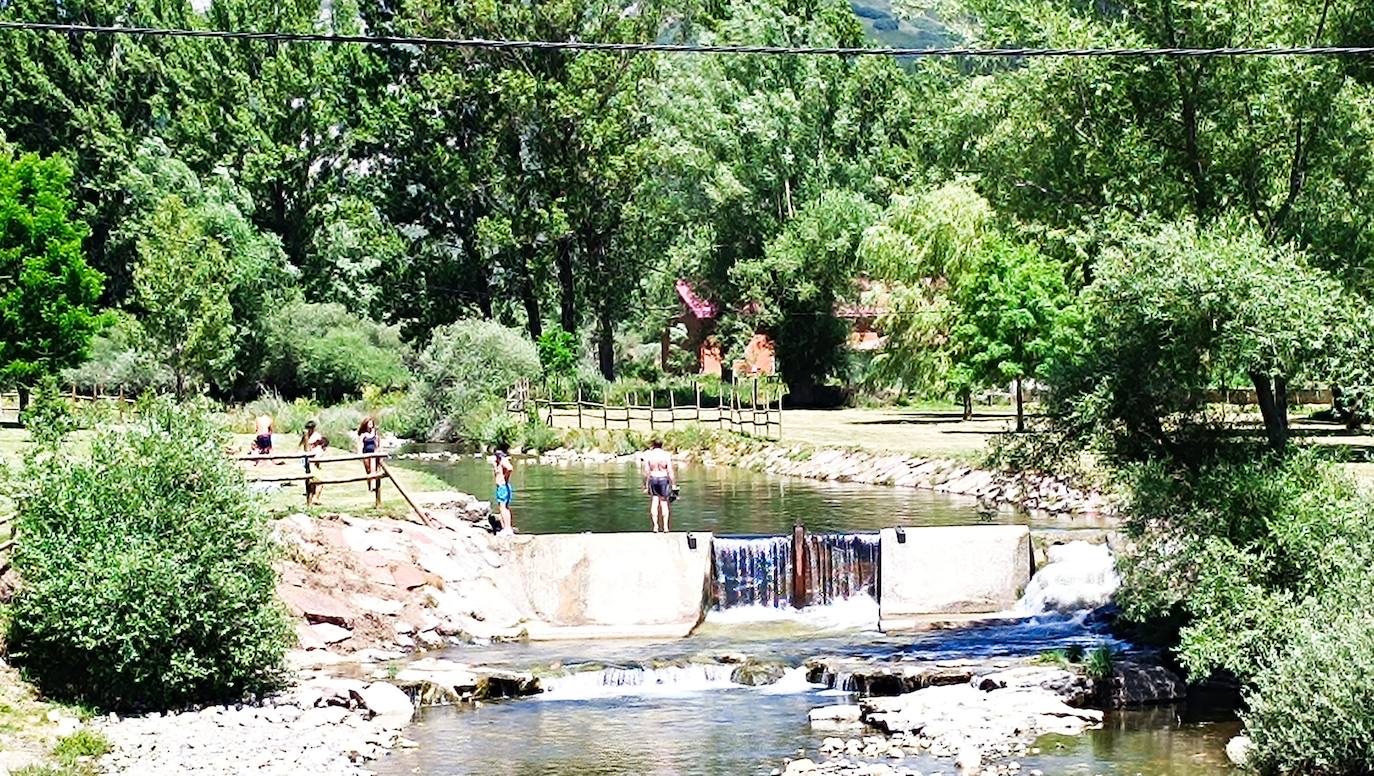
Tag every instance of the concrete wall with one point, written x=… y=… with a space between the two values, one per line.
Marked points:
x=628 y=585
x=950 y=573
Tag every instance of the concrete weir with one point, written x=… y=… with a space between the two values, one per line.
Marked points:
x=945 y=573
x=620 y=585
x=643 y=585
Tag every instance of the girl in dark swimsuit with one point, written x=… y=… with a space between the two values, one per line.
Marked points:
x=367 y=443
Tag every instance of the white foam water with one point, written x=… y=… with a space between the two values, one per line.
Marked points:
x=857 y=613
x=1080 y=576
x=635 y=680
x=793 y=680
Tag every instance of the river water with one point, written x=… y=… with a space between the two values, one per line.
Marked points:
x=625 y=708
x=576 y=497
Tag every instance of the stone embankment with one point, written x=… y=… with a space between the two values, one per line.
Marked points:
x=381 y=589
x=1038 y=493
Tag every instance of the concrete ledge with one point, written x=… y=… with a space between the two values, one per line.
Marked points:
x=625 y=585
x=947 y=574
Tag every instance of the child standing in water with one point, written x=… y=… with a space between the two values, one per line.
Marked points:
x=502 y=467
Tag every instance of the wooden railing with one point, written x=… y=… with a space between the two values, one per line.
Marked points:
x=9 y=402
x=741 y=409
x=310 y=474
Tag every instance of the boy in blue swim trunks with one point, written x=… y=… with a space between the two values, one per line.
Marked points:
x=502 y=468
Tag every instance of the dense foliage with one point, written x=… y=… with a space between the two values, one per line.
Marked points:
x=462 y=377
x=147 y=577
x=47 y=290
x=326 y=352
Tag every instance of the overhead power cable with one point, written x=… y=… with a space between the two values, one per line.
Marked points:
x=692 y=48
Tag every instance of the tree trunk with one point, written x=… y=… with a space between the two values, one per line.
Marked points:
x=567 y=291
x=605 y=342
x=967 y=397
x=23 y=398
x=1274 y=408
x=1020 y=408
x=528 y=298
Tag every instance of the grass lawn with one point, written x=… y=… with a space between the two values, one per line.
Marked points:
x=353 y=497
x=910 y=431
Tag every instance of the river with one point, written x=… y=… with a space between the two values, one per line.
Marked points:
x=627 y=708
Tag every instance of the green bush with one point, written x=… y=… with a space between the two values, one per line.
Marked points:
x=82 y=743
x=1235 y=545
x=537 y=436
x=120 y=360
x=466 y=368
x=325 y=352
x=49 y=416
x=558 y=352
x=146 y=570
x=1309 y=710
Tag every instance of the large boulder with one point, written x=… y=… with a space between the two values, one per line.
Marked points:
x=1141 y=684
x=384 y=699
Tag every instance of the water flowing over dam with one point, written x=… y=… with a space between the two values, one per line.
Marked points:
x=763 y=571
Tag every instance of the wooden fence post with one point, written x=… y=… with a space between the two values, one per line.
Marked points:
x=798 y=566
x=696 y=390
x=651 y=409
x=579 y=406
x=377 y=483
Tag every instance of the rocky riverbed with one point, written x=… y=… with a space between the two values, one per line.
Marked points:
x=978 y=715
x=326 y=726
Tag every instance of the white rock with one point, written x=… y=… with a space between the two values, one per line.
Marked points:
x=804 y=765
x=387 y=700
x=1239 y=749
x=838 y=713
x=330 y=633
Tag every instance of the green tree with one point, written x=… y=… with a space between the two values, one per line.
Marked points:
x=1176 y=310
x=920 y=248
x=1006 y=307
x=803 y=273
x=48 y=293
x=181 y=285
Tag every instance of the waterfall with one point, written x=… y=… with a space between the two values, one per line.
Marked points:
x=1079 y=576
x=841 y=566
x=757 y=572
x=752 y=572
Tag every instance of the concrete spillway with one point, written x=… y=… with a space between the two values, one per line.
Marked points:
x=660 y=585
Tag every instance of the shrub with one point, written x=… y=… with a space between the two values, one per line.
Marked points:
x=146 y=571
x=49 y=416
x=323 y=351
x=465 y=366
x=537 y=436
x=120 y=360
x=558 y=352
x=1098 y=662
x=82 y=743
x=1308 y=710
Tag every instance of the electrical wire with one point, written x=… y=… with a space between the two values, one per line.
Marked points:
x=692 y=48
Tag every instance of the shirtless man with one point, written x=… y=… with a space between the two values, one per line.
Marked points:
x=502 y=467
x=262 y=435
x=659 y=480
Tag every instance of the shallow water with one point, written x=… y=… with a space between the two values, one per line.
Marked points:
x=630 y=708
x=577 y=497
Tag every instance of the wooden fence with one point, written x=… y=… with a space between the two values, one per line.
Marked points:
x=743 y=407
x=9 y=402
x=309 y=474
